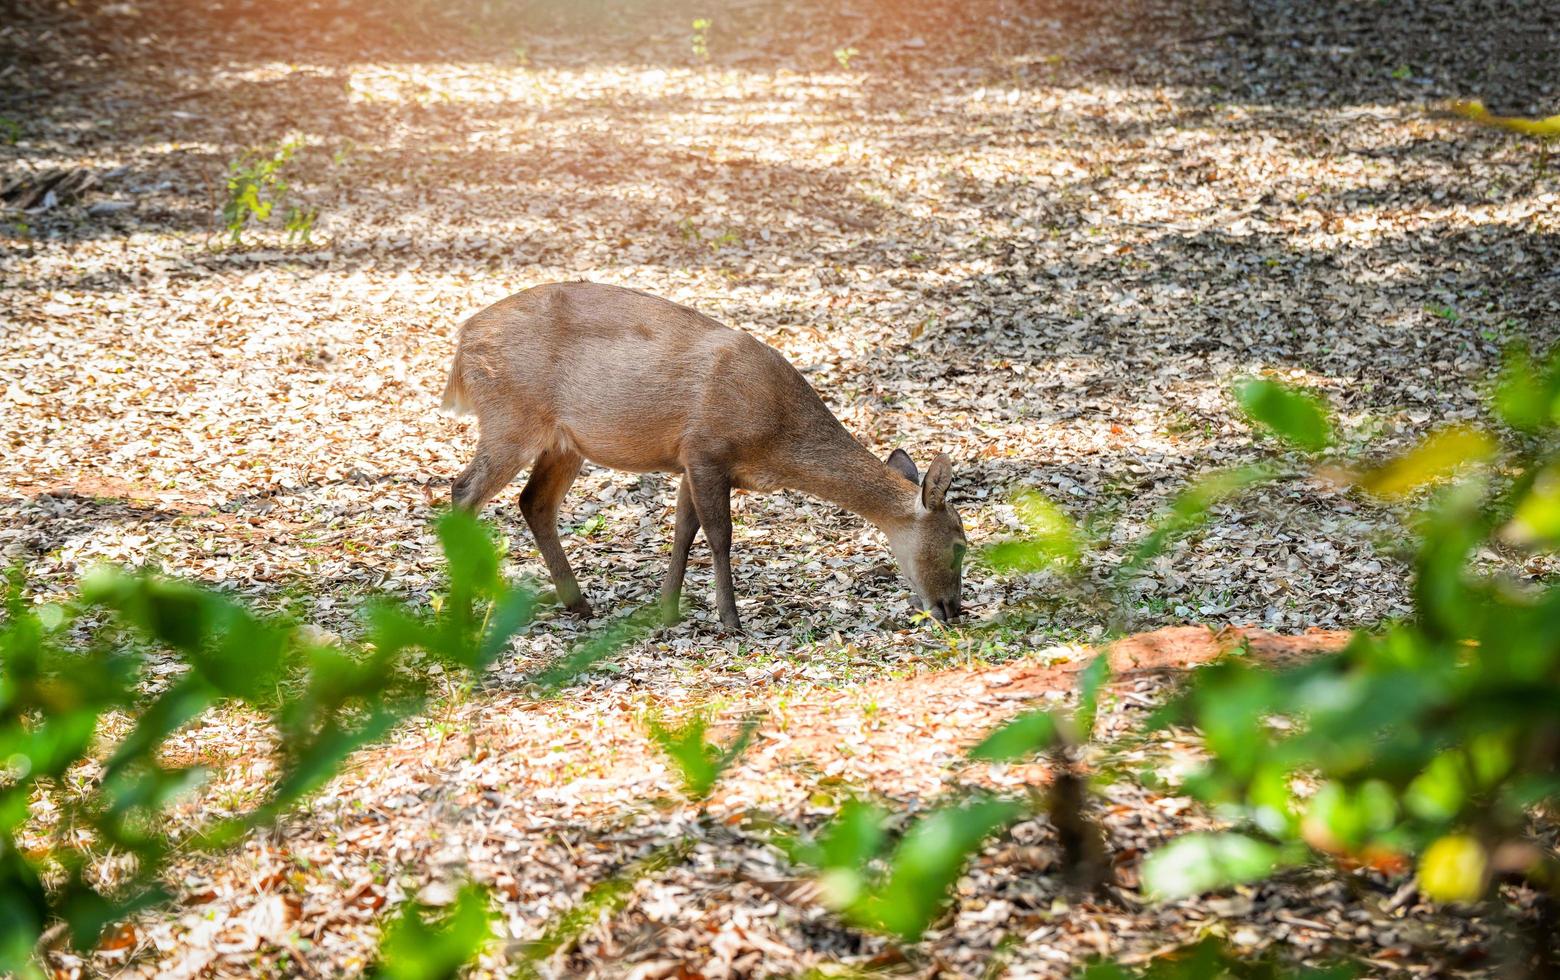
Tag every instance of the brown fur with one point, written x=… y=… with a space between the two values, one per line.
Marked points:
x=571 y=371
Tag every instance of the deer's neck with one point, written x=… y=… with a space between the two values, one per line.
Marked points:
x=832 y=465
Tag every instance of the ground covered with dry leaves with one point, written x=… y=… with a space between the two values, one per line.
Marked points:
x=1040 y=237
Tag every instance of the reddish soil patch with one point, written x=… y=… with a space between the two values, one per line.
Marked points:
x=116 y=491
x=1180 y=647
x=901 y=726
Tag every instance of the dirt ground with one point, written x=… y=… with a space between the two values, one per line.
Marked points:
x=1044 y=238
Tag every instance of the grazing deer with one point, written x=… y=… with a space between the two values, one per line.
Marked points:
x=567 y=372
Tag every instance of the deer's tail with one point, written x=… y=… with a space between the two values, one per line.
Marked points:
x=455 y=401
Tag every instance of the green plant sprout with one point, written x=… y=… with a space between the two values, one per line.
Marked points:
x=255 y=186
x=699 y=763
x=300 y=224
x=700 y=41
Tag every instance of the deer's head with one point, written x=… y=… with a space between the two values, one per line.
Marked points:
x=930 y=544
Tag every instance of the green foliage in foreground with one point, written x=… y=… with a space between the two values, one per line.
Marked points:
x=902 y=888
x=1432 y=738
x=68 y=685
x=899 y=891
x=1426 y=744
x=1297 y=417
x=1033 y=732
x=421 y=944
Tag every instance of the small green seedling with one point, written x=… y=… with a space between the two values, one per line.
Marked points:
x=700 y=41
x=699 y=763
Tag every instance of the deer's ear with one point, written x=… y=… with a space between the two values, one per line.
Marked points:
x=901 y=461
x=934 y=489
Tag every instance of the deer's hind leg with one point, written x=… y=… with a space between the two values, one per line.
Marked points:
x=551 y=477
x=496 y=462
x=509 y=437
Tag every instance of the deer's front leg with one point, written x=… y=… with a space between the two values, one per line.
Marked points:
x=712 y=504
x=682 y=541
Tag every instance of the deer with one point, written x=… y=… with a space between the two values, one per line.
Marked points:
x=567 y=372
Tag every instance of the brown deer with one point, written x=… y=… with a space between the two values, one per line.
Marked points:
x=567 y=372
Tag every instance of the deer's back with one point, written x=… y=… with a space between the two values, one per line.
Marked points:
x=626 y=379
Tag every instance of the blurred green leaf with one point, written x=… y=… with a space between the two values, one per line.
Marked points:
x=1190 y=509
x=315 y=760
x=1352 y=816
x=854 y=837
x=924 y=867
x=172 y=710
x=1537 y=515
x=471 y=555
x=1438 y=793
x=1449 y=533
x=903 y=893
x=393 y=629
x=1038 y=731
x=1051 y=538
x=429 y=944
x=1297 y=417
x=87 y=911
x=600 y=646
x=1527 y=394
x=510 y=613
x=1438 y=456
x=238 y=654
x=24 y=908
x=1020 y=738
x=1200 y=863
x=1090 y=683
